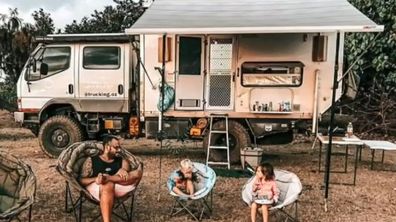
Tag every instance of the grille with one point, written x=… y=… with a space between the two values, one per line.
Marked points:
x=220 y=90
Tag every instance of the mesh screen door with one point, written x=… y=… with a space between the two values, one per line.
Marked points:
x=220 y=74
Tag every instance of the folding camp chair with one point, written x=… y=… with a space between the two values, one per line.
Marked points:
x=202 y=201
x=70 y=166
x=17 y=187
x=290 y=188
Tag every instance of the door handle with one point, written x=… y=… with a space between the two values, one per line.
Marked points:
x=71 y=89
x=120 y=89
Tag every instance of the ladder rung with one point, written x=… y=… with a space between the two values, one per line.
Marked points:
x=218 y=147
x=218 y=131
x=218 y=163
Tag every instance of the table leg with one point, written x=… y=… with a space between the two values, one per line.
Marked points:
x=382 y=159
x=356 y=160
x=320 y=155
x=346 y=159
x=372 y=158
x=383 y=154
x=360 y=153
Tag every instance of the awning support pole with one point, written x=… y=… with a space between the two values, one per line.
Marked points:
x=333 y=107
x=161 y=116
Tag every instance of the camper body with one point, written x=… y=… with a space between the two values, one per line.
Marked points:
x=269 y=66
x=94 y=84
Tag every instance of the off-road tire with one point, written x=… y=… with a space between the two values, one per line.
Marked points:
x=235 y=130
x=67 y=126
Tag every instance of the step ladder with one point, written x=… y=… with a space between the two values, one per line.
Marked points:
x=216 y=131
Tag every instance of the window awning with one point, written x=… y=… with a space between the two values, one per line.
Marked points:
x=251 y=16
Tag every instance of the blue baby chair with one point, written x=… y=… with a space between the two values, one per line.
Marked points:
x=202 y=201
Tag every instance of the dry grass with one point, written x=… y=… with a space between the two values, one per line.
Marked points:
x=372 y=199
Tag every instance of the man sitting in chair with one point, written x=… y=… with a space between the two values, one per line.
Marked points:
x=108 y=175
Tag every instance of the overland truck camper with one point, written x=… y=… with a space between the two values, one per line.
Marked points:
x=231 y=72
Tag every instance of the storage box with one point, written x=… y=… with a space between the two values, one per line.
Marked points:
x=252 y=156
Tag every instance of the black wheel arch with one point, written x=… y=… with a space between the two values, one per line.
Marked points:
x=55 y=107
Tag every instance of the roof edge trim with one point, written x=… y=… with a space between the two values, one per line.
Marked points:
x=253 y=30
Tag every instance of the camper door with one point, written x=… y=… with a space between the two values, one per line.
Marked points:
x=190 y=73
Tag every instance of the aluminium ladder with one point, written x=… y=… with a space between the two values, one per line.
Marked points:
x=215 y=147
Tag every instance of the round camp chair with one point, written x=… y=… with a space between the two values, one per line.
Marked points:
x=70 y=166
x=290 y=188
x=203 y=196
x=17 y=187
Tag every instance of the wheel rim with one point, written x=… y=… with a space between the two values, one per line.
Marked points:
x=60 y=138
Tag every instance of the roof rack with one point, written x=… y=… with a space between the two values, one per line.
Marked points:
x=81 y=38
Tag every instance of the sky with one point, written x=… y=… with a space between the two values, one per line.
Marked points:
x=62 y=11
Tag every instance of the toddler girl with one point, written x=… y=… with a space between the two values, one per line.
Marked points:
x=265 y=192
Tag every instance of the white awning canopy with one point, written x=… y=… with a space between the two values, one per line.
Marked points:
x=251 y=16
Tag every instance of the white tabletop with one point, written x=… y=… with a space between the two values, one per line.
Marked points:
x=354 y=140
x=380 y=144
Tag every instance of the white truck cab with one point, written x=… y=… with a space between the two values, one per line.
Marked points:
x=70 y=82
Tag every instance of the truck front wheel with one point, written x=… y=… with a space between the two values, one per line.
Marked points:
x=238 y=139
x=57 y=133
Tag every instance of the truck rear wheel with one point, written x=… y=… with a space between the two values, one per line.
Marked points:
x=238 y=139
x=57 y=133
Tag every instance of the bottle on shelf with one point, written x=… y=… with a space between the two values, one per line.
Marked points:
x=350 y=130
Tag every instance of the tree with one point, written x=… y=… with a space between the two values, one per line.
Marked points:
x=111 y=20
x=15 y=46
x=44 y=24
x=375 y=105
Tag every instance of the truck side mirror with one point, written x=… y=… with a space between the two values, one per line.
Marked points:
x=44 y=68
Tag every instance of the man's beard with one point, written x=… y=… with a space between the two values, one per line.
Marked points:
x=114 y=155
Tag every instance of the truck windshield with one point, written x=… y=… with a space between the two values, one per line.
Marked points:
x=57 y=59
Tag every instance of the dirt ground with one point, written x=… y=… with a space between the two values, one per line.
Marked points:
x=372 y=199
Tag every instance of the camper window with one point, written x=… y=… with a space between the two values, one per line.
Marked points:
x=258 y=74
x=101 y=57
x=57 y=59
x=190 y=49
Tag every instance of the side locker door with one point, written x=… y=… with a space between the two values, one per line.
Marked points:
x=101 y=78
x=190 y=73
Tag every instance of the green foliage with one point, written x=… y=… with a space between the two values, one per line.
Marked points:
x=15 y=46
x=376 y=102
x=44 y=24
x=112 y=19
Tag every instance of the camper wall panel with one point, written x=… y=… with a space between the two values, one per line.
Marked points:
x=283 y=48
x=149 y=53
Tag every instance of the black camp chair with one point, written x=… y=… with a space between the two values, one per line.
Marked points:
x=17 y=187
x=70 y=166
